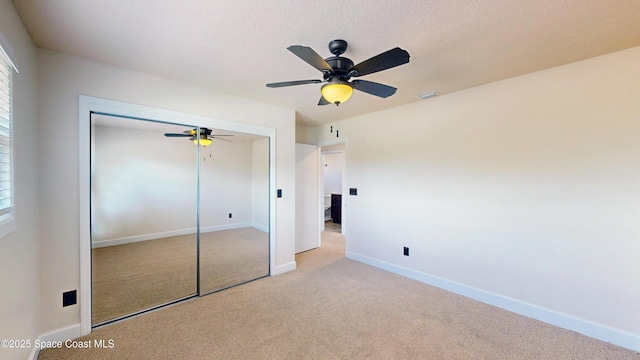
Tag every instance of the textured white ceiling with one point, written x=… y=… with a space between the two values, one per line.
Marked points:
x=236 y=47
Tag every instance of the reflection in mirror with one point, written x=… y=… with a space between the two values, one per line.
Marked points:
x=143 y=229
x=171 y=219
x=234 y=211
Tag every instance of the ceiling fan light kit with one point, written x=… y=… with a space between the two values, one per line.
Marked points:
x=338 y=70
x=203 y=140
x=336 y=91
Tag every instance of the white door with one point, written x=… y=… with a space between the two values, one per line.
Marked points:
x=307 y=217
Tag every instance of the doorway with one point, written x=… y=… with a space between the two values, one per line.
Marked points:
x=333 y=184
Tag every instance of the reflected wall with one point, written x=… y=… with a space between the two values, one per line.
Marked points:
x=234 y=188
x=171 y=219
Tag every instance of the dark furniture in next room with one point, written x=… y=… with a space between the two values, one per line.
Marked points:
x=336 y=208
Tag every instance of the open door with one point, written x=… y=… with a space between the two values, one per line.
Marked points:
x=307 y=223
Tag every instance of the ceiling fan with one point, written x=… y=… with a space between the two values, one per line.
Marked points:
x=205 y=138
x=337 y=71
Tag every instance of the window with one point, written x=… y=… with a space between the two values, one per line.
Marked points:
x=7 y=223
x=6 y=198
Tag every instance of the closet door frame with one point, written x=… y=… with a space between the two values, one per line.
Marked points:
x=88 y=105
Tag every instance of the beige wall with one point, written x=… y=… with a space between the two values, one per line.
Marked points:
x=19 y=250
x=61 y=79
x=527 y=189
x=302 y=133
x=144 y=184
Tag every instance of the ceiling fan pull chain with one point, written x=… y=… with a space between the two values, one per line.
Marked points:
x=337 y=120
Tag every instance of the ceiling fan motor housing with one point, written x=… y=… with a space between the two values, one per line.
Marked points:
x=340 y=65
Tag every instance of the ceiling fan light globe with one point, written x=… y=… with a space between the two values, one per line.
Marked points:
x=337 y=92
x=204 y=141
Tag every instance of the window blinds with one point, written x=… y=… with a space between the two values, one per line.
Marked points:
x=6 y=166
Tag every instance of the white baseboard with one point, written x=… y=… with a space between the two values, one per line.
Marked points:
x=281 y=269
x=166 y=234
x=62 y=334
x=33 y=355
x=598 y=331
x=260 y=227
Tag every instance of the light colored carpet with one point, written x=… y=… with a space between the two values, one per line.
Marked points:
x=335 y=308
x=133 y=277
x=333 y=227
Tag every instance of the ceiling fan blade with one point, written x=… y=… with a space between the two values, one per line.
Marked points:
x=291 y=83
x=374 y=88
x=384 y=61
x=177 y=135
x=323 y=101
x=310 y=56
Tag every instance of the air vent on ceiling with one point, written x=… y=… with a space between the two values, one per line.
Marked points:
x=428 y=95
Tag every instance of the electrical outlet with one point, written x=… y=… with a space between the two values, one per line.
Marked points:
x=69 y=298
x=230 y=215
x=406 y=251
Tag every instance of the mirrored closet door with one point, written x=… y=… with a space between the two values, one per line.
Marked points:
x=234 y=211
x=176 y=211
x=144 y=217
